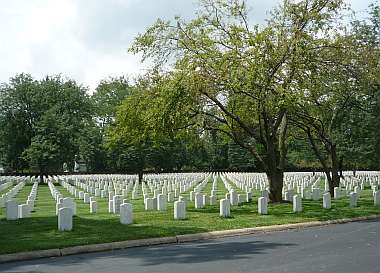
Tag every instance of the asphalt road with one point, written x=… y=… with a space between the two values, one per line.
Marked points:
x=347 y=248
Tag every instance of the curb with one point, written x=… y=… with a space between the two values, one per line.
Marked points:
x=49 y=253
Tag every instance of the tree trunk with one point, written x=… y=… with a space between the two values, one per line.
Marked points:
x=335 y=178
x=41 y=175
x=275 y=178
x=341 y=167
x=274 y=173
x=41 y=178
x=141 y=174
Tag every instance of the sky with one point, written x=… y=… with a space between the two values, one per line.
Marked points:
x=88 y=40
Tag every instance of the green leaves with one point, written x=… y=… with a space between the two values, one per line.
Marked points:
x=41 y=121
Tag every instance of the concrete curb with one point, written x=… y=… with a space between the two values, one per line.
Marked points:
x=49 y=253
x=22 y=256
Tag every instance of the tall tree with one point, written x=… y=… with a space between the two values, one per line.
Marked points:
x=240 y=76
x=41 y=121
x=342 y=82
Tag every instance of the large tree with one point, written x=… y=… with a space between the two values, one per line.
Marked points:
x=341 y=83
x=41 y=122
x=238 y=78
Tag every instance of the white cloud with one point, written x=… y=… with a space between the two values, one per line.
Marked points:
x=87 y=40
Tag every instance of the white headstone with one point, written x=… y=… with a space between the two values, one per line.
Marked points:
x=205 y=200
x=316 y=194
x=86 y=198
x=65 y=219
x=297 y=203
x=126 y=214
x=353 y=199
x=198 y=200
x=234 y=198
x=23 y=211
x=149 y=204
x=336 y=192
x=161 y=202
x=376 y=198
x=117 y=201
x=110 y=206
x=327 y=200
x=262 y=205
x=68 y=202
x=93 y=207
x=225 y=208
x=179 y=210
x=249 y=196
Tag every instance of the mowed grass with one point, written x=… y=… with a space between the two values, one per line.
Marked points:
x=40 y=231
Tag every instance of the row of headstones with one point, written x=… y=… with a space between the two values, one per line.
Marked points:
x=304 y=180
x=182 y=186
x=16 y=211
x=65 y=214
x=225 y=206
x=314 y=194
x=165 y=184
x=60 y=200
x=369 y=176
x=263 y=188
x=118 y=189
x=157 y=201
x=5 y=185
x=260 y=179
x=115 y=201
x=11 y=193
x=117 y=179
x=161 y=197
x=102 y=178
x=125 y=210
x=293 y=180
x=133 y=178
x=179 y=186
x=85 y=196
x=354 y=196
x=65 y=208
x=101 y=189
x=315 y=191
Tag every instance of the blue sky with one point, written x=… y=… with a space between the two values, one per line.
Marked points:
x=87 y=40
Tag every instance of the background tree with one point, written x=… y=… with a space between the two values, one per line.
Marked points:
x=109 y=94
x=41 y=122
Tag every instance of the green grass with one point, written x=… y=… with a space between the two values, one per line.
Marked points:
x=40 y=231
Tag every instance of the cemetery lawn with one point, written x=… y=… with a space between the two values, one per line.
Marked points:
x=40 y=231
